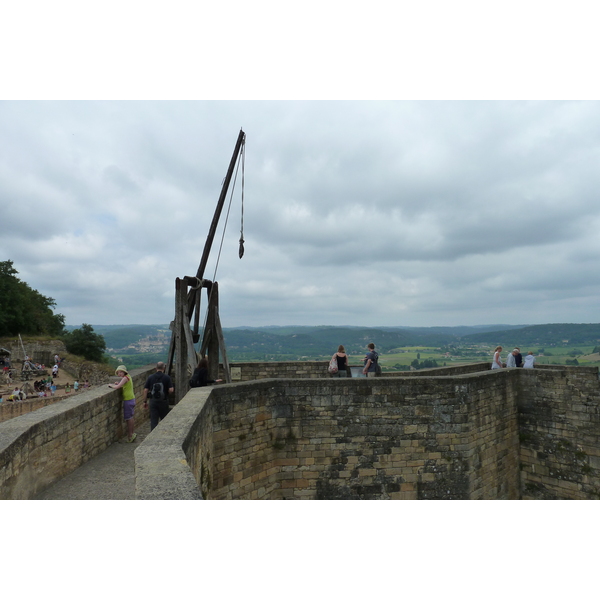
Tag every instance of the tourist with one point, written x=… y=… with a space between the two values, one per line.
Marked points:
x=529 y=361
x=370 y=368
x=55 y=371
x=342 y=362
x=53 y=388
x=200 y=375
x=56 y=359
x=518 y=357
x=86 y=385
x=75 y=386
x=126 y=384
x=158 y=387
x=17 y=395
x=510 y=360
x=67 y=388
x=497 y=361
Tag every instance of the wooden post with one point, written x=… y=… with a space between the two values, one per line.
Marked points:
x=192 y=359
x=181 y=365
x=213 y=341
x=221 y=339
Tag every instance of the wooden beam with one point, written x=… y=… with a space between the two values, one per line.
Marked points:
x=181 y=378
x=226 y=369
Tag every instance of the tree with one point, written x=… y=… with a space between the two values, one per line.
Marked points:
x=23 y=309
x=84 y=342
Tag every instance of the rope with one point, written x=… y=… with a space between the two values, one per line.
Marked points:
x=241 y=250
x=197 y=285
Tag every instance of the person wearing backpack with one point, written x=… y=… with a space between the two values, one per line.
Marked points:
x=157 y=389
x=371 y=361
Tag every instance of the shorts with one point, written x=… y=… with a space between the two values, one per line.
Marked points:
x=371 y=374
x=128 y=407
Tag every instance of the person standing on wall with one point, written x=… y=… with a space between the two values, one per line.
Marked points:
x=370 y=369
x=126 y=384
x=158 y=387
x=342 y=362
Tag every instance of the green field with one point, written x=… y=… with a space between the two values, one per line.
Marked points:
x=400 y=360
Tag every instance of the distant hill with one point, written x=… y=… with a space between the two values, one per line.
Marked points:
x=293 y=342
x=541 y=335
x=296 y=341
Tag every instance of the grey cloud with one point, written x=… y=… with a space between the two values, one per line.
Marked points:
x=355 y=212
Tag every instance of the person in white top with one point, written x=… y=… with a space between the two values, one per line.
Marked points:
x=510 y=359
x=529 y=361
x=497 y=362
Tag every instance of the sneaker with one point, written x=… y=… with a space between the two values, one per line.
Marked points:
x=132 y=438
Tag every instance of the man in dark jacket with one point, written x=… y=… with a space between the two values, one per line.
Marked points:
x=518 y=357
x=158 y=387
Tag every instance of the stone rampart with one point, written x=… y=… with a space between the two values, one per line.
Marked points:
x=41 y=447
x=10 y=410
x=453 y=433
x=483 y=435
x=41 y=351
x=410 y=438
x=559 y=431
x=251 y=371
x=314 y=369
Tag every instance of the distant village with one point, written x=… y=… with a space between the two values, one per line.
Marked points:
x=156 y=343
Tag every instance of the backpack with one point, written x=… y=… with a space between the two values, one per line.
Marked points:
x=377 y=365
x=157 y=391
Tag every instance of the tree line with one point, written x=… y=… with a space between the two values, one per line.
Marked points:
x=26 y=311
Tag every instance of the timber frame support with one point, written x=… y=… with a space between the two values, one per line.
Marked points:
x=187 y=305
x=183 y=339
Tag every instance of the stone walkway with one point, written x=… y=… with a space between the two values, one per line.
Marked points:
x=108 y=476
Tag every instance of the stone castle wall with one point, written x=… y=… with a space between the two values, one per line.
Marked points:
x=41 y=447
x=418 y=435
x=364 y=439
x=559 y=430
x=10 y=410
x=314 y=369
x=483 y=435
x=41 y=351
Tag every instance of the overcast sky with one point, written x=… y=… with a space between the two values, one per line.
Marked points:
x=355 y=212
x=366 y=212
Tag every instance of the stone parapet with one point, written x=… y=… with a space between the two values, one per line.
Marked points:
x=38 y=448
x=10 y=410
x=410 y=438
x=559 y=431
